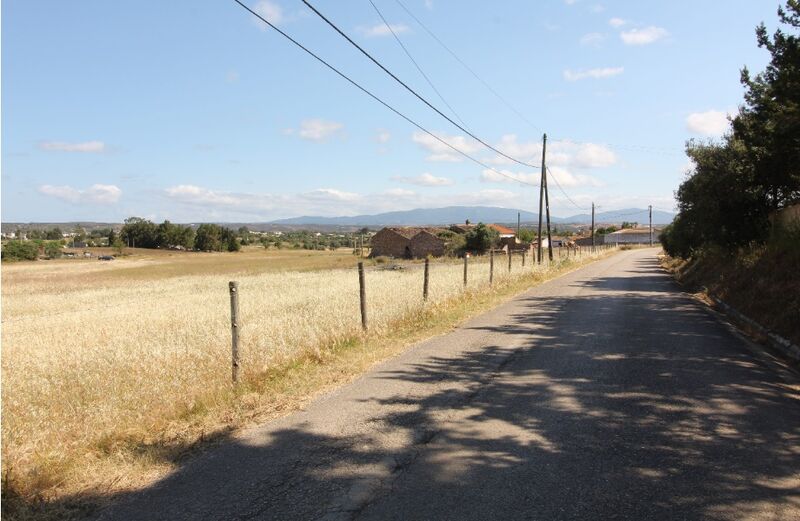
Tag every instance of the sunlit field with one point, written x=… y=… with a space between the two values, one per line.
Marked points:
x=95 y=352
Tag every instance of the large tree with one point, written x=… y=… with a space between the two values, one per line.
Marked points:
x=768 y=124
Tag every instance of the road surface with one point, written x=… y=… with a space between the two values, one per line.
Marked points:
x=604 y=394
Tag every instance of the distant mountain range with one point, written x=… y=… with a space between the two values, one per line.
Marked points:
x=419 y=217
x=459 y=214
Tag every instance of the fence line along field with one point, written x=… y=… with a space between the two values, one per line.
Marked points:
x=84 y=362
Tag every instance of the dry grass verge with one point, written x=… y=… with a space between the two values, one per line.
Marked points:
x=108 y=387
x=762 y=282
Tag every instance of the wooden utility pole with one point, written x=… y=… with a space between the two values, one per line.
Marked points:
x=425 y=281
x=547 y=209
x=233 y=287
x=518 y=223
x=650 y=211
x=541 y=197
x=466 y=260
x=592 y=227
x=362 y=295
x=491 y=266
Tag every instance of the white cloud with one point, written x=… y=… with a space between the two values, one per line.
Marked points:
x=562 y=153
x=564 y=177
x=271 y=12
x=195 y=203
x=644 y=36
x=316 y=129
x=709 y=123
x=590 y=155
x=382 y=29
x=441 y=152
x=567 y=179
x=383 y=137
x=424 y=179
x=330 y=194
x=95 y=194
x=617 y=22
x=593 y=39
x=606 y=72
x=86 y=146
x=400 y=192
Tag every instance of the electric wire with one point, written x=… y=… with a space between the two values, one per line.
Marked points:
x=376 y=98
x=467 y=67
x=412 y=91
x=512 y=108
x=408 y=53
x=576 y=205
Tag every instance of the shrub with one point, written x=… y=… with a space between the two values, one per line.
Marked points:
x=19 y=250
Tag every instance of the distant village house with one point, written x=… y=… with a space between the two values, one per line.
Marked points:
x=407 y=243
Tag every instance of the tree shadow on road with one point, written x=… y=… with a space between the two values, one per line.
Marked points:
x=596 y=407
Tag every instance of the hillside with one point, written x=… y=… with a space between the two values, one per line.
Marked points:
x=457 y=214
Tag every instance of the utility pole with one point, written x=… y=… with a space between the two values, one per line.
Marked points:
x=518 y=221
x=541 y=196
x=592 y=227
x=547 y=210
x=650 y=211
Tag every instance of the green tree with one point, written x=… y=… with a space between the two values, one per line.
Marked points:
x=118 y=246
x=768 y=124
x=480 y=238
x=208 y=238
x=527 y=235
x=140 y=233
x=19 y=250
x=52 y=249
x=212 y=237
x=54 y=234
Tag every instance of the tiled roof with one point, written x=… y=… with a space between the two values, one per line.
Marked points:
x=502 y=229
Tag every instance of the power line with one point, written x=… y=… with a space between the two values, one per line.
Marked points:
x=553 y=177
x=511 y=107
x=412 y=91
x=405 y=50
x=468 y=68
x=376 y=98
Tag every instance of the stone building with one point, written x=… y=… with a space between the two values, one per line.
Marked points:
x=407 y=243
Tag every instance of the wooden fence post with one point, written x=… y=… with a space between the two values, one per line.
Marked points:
x=491 y=266
x=362 y=294
x=466 y=260
x=523 y=258
x=509 y=260
x=233 y=287
x=425 y=282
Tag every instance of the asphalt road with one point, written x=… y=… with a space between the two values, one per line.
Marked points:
x=604 y=394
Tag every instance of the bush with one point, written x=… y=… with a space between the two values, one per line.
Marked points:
x=481 y=238
x=19 y=250
x=52 y=249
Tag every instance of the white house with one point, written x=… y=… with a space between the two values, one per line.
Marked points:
x=631 y=236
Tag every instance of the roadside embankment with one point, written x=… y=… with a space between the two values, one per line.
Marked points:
x=762 y=284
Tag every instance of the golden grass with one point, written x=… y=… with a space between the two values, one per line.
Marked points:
x=104 y=383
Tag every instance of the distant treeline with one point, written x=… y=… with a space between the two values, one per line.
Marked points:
x=142 y=233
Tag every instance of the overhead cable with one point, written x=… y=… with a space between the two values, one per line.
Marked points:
x=376 y=98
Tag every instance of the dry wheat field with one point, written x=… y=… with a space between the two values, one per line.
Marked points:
x=88 y=354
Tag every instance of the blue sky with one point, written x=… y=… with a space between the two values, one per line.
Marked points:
x=193 y=111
